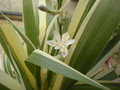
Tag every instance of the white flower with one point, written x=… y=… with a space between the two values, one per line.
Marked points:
x=61 y=43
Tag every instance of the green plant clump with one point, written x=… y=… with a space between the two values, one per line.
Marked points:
x=64 y=45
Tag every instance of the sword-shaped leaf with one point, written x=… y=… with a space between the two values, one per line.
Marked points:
x=45 y=60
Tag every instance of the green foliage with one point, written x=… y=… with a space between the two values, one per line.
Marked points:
x=28 y=57
x=45 y=60
x=7 y=81
x=113 y=86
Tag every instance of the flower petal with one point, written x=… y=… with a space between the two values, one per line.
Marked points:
x=57 y=36
x=52 y=43
x=65 y=37
x=56 y=47
x=69 y=42
x=59 y=45
x=64 y=52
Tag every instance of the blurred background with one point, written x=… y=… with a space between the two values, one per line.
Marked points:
x=12 y=8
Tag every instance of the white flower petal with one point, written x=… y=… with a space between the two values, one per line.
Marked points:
x=64 y=52
x=69 y=42
x=56 y=47
x=57 y=36
x=52 y=43
x=65 y=37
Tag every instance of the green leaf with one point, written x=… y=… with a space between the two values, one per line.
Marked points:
x=43 y=22
x=30 y=23
x=108 y=47
x=7 y=66
x=113 y=86
x=81 y=6
x=106 y=52
x=9 y=35
x=45 y=46
x=24 y=37
x=95 y=36
x=110 y=76
x=10 y=83
x=4 y=45
x=88 y=7
x=115 y=48
x=30 y=45
x=2 y=87
x=9 y=59
x=45 y=60
x=103 y=73
x=65 y=25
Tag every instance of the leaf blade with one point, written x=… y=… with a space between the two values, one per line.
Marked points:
x=95 y=35
x=45 y=60
x=112 y=85
x=7 y=81
x=8 y=33
x=30 y=23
